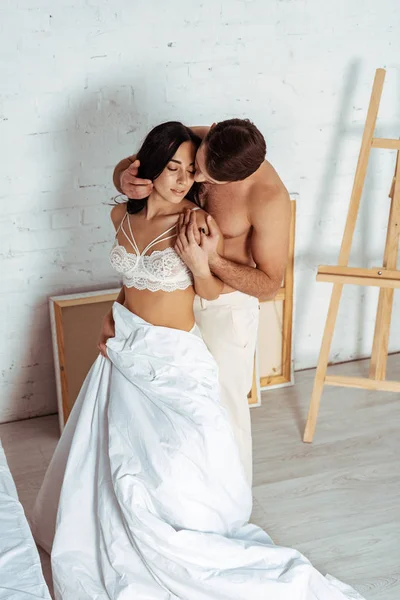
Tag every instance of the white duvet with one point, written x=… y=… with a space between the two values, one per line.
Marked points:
x=21 y=576
x=154 y=503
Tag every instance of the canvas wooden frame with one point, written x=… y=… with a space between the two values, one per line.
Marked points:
x=286 y=295
x=57 y=304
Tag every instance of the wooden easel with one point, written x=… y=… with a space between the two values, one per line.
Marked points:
x=386 y=277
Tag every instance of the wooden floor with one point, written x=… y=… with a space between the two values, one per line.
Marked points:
x=337 y=500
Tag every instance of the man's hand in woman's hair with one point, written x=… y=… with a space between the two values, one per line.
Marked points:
x=132 y=186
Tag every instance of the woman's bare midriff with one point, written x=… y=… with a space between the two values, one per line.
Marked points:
x=164 y=309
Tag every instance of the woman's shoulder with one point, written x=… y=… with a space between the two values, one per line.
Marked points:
x=117 y=213
x=188 y=204
x=201 y=218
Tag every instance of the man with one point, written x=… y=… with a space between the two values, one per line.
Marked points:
x=250 y=204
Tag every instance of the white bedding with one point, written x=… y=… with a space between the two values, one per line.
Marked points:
x=21 y=576
x=153 y=503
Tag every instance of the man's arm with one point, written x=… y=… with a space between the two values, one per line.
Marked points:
x=270 y=219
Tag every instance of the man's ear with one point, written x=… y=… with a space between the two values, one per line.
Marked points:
x=213 y=125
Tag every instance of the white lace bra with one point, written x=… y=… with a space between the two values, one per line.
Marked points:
x=162 y=270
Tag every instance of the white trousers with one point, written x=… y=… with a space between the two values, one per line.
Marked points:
x=229 y=328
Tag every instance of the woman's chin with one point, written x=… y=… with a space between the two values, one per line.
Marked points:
x=174 y=198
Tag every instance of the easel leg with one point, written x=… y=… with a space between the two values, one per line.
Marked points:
x=381 y=336
x=385 y=304
x=322 y=363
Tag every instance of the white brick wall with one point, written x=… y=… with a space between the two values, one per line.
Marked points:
x=82 y=82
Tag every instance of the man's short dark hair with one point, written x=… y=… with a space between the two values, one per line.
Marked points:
x=234 y=150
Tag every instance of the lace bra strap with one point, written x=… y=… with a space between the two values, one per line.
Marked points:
x=120 y=225
x=121 y=228
x=160 y=238
x=132 y=238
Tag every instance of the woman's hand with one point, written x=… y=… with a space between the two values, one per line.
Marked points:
x=107 y=331
x=188 y=246
x=187 y=218
x=212 y=243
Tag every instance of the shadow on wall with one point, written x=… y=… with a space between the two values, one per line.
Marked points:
x=101 y=128
x=363 y=252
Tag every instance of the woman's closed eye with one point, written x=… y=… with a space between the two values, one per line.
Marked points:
x=174 y=171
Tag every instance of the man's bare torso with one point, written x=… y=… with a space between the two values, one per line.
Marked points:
x=229 y=205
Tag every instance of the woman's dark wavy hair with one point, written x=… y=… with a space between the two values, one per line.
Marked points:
x=157 y=150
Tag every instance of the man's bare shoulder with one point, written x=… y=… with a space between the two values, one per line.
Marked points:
x=267 y=188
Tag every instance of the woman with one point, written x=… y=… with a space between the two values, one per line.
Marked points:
x=152 y=499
